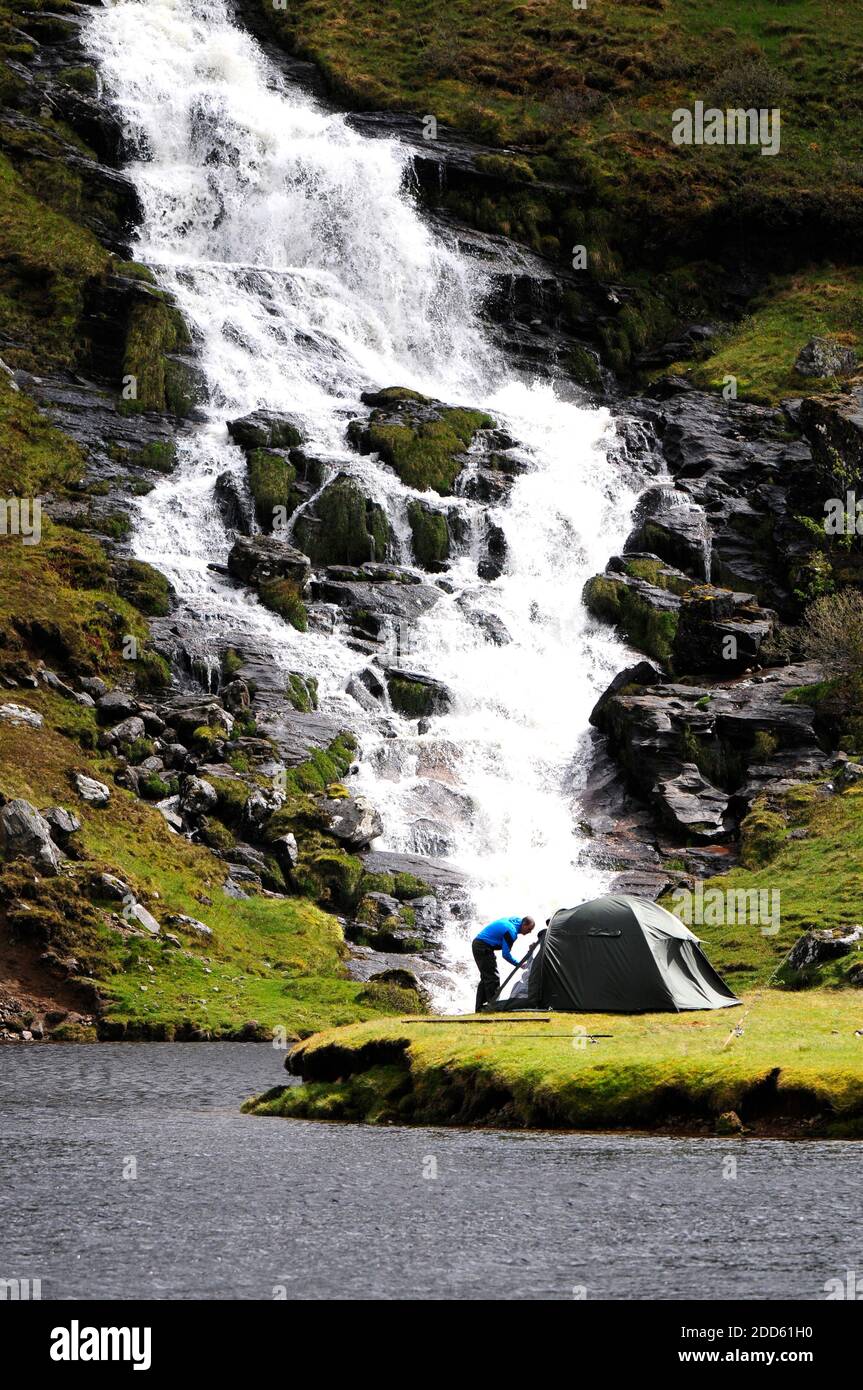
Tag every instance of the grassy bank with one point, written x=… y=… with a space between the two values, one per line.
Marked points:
x=760 y=351
x=797 y=1069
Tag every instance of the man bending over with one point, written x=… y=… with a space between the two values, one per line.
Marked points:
x=497 y=936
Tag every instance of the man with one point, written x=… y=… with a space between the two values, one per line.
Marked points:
x=497 y=936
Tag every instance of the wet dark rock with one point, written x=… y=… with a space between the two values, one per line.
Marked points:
x=439 y=877
x=493 y=557
x=692 y=805
x=834 y=427
x=736 y=463
x=257 y=559
x=416 y=694
x=265 y=429
x=296 y=733
x=490 y=625
x=484 y=485
x=669 y=524
x=686 y=749
x=236 y=696
x=343 y=527
x=234 y=504
x=643 y=673
x=377 y=601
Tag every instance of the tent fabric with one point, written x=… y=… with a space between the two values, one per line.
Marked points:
x=619 y=954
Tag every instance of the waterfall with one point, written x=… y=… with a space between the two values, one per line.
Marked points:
x=296 y=254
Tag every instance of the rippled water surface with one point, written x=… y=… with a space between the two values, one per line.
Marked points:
x=232 y=1206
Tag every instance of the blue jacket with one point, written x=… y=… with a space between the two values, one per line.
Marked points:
x=501 y=935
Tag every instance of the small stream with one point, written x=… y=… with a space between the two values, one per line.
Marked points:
x=231 y=1206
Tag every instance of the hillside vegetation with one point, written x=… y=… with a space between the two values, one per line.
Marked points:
x=579 y=103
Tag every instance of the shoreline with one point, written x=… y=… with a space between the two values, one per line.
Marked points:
x=794 y=1073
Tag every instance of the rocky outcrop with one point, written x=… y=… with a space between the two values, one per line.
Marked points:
x=699 y=754
x=25 y=834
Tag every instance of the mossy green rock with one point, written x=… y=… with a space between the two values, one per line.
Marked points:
x=343 y=527
x=271 y=479
x=431 y=538
x=422 y=440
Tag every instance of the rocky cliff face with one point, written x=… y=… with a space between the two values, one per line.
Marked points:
x=111 y=711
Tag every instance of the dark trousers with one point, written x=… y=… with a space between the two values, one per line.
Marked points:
x=489 y=980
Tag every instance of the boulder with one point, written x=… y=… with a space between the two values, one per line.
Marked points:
x=834 y=429
x=430 y=533
x=848 y=775
x=136 y=913
x=822 y=357
x=257 y=559
x=91 y=791
x=197 y=797
x=285 y=852
x=493 y=553
x=111 y=887
x=20 y=714
x=190 y=925
x=265 y=429
x=818 y=947
x=352 y=820
x=236 y=696
x=692 y=805
x=116 y=705
x=233 y=504
x=25 y=834
x=170 y=809
x=670 y=524
x=62 y=824
x=425 y=442
x=127 y=731
x=415 y=694
x=93 y=686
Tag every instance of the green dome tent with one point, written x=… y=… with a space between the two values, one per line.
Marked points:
x=618 y=954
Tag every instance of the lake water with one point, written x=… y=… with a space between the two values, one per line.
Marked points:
x=225 y=1205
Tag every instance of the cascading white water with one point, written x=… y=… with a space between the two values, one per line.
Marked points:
x=307 y=274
